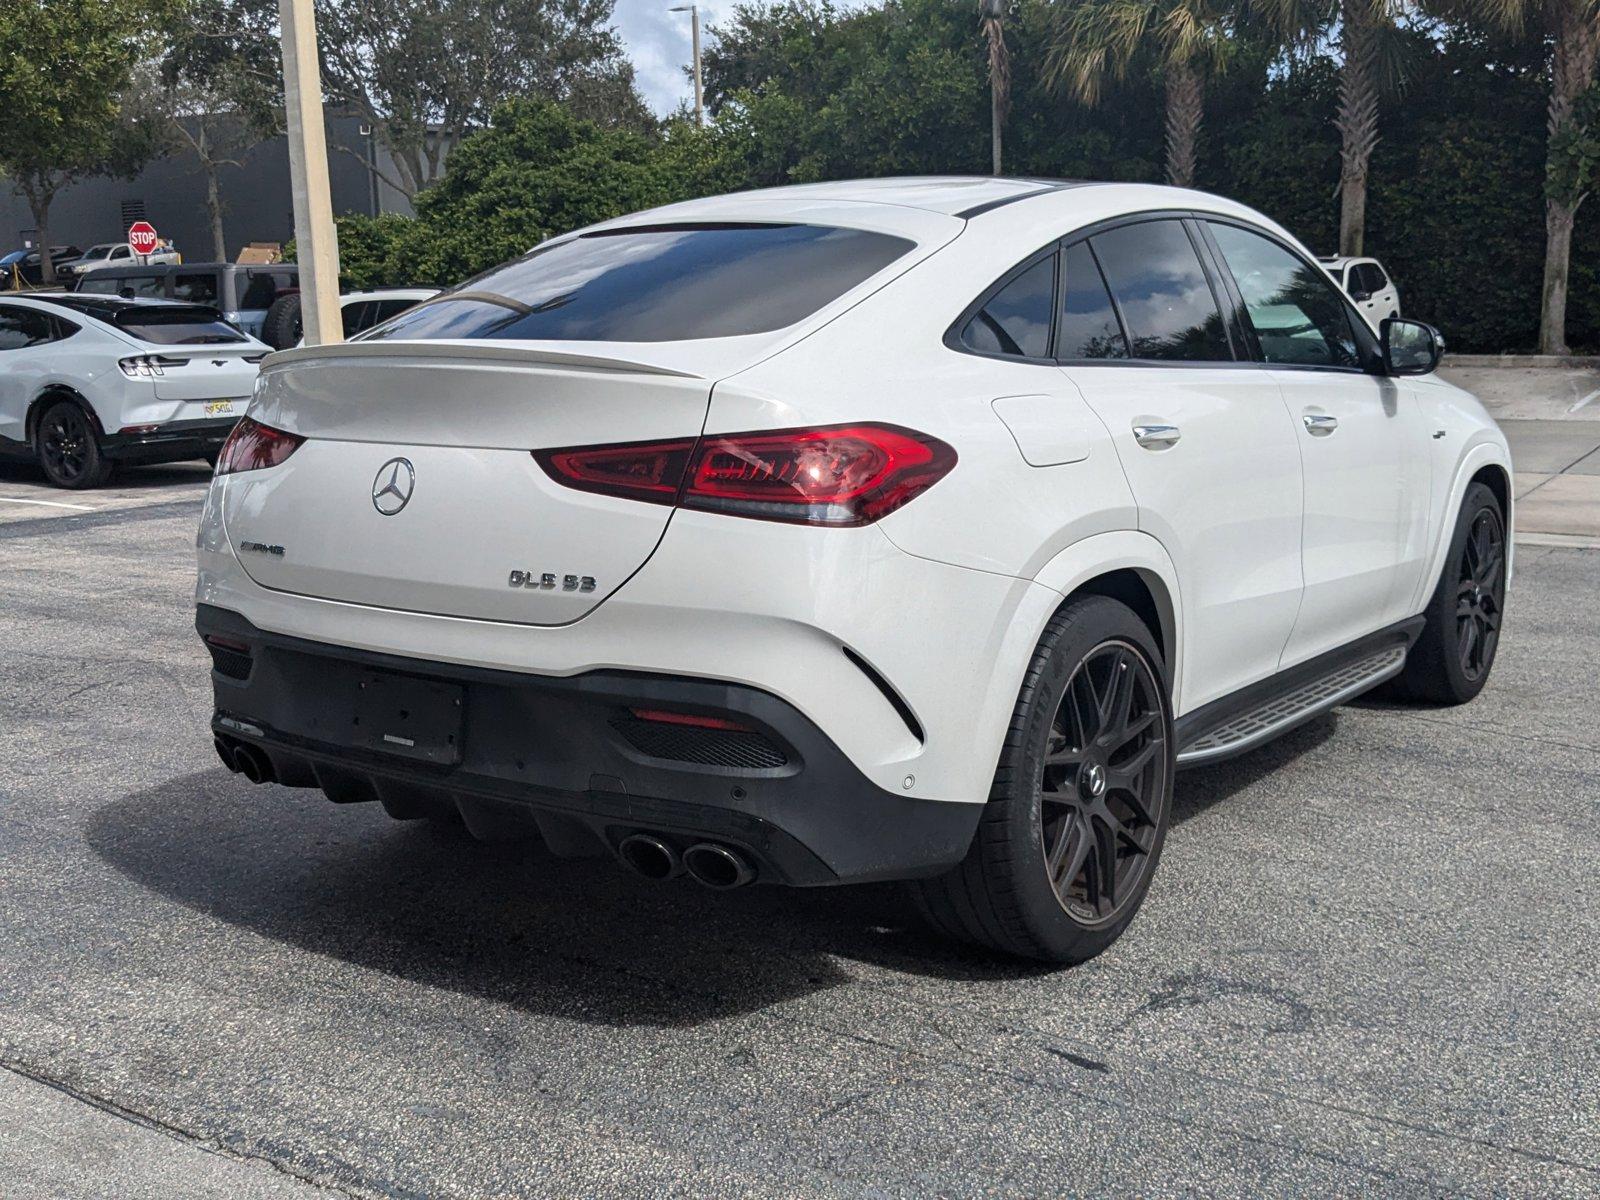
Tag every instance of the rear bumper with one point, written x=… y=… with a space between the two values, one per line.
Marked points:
x=175 y=441
x=566 y=754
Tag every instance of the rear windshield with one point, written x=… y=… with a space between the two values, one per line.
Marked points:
x=177 y=326
x=657 y=284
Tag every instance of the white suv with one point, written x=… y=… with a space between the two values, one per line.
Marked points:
x=87 y=382
x=1367 y=284
x=906 y=529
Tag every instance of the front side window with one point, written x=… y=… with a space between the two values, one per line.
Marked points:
x=1378 y=279
x=98 y=285
x=23 y=327
x=1166 y=301
x=658 y=284
x=1298 y=315
x=195 y=287
x=1089 y=327
x=1016 y=319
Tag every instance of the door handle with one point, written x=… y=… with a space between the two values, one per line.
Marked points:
x=1321 y=424
x=1157 y=437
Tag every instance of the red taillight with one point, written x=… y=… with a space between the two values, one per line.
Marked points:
x=643 y=471
x=252 y=446
x=835 y=475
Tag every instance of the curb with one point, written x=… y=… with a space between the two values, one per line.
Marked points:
x=1522 y=360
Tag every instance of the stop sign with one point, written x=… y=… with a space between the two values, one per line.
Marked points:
x=142 y=237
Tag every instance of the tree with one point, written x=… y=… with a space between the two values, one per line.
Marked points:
x=994 y=31
x=65 y=67
x=1099 y=40
x=425 y=73
x=1573 y=29
x=222 y=78
x=1368 y=44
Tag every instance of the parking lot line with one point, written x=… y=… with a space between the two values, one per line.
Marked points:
x=48 y=503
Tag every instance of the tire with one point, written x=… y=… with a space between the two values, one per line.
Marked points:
x=281 y=327
x=1051 y=798
x=68 y=448
x=1450 y=662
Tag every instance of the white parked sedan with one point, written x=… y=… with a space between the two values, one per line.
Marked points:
x=87 y=382
x=906 y=529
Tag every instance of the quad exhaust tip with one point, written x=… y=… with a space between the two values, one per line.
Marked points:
x=246 y=760
x=709 y=864
x=648 y=856
x=719 y=867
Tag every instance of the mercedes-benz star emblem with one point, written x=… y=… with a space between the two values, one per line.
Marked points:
x=391 y=490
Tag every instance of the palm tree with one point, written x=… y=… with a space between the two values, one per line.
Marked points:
x=1367 y=69
x=1099 y=39
x=993 y=18
x=1573 y=26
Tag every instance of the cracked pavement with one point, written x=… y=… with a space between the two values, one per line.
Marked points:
x=1368 y=962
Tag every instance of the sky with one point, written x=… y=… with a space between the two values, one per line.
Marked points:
x=658 y=43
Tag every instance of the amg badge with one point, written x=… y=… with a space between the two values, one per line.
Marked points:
x=548 y=581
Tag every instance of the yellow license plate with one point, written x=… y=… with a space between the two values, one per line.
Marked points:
x=218 y=408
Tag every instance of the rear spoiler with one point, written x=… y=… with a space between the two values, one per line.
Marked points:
x=475 y=351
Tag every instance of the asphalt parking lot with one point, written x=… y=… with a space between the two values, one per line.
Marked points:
x=1370 y=962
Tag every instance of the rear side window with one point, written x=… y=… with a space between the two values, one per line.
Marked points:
x=1016 y=319
x=176 y=326
x=98 y=285
x=1298 y=315
x=261 y=288
x=1163 y=293
x=1376 y=278
x=1089 y=327
x=658 y=284
x=24 y=327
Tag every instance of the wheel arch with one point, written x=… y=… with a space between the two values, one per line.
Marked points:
x=49 y=395
x=1485 y=462
x=1135 y=569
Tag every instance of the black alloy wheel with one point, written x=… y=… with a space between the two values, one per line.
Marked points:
x=1070 y=836
x=1450 y=661
x=67 y=448
x=1103 y=788
x=1480 y=592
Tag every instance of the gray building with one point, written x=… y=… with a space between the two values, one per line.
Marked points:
x=170 y=193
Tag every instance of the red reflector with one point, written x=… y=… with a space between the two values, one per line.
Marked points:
x=834 y=475
x=678 y=718
x=138 y=429
x=252 y=446
x=227 y=644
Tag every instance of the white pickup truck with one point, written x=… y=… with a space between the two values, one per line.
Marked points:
x=115 y=254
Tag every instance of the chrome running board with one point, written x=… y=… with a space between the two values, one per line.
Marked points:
x=1281 y=712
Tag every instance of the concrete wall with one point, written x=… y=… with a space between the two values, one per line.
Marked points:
x=173 y=190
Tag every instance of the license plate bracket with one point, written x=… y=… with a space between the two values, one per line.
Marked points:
x=409 y=717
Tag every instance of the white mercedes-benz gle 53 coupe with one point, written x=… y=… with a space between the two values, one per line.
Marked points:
x=88 y=382
x=912 y=529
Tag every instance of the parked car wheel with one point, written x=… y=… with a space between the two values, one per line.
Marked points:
x=1078 y=813
x=1450 y=662
x=281 y=328
x=68 y=449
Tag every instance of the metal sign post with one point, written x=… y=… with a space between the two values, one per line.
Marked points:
x=315 y=238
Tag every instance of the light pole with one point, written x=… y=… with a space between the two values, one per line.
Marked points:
x=699 y=92
x=316 y=245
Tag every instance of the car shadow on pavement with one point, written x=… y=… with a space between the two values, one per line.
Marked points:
x=1202 y=788
x=126 y=479
x=579 y=939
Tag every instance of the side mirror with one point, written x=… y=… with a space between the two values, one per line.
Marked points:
x=1410 y=347
x=1360 y=297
